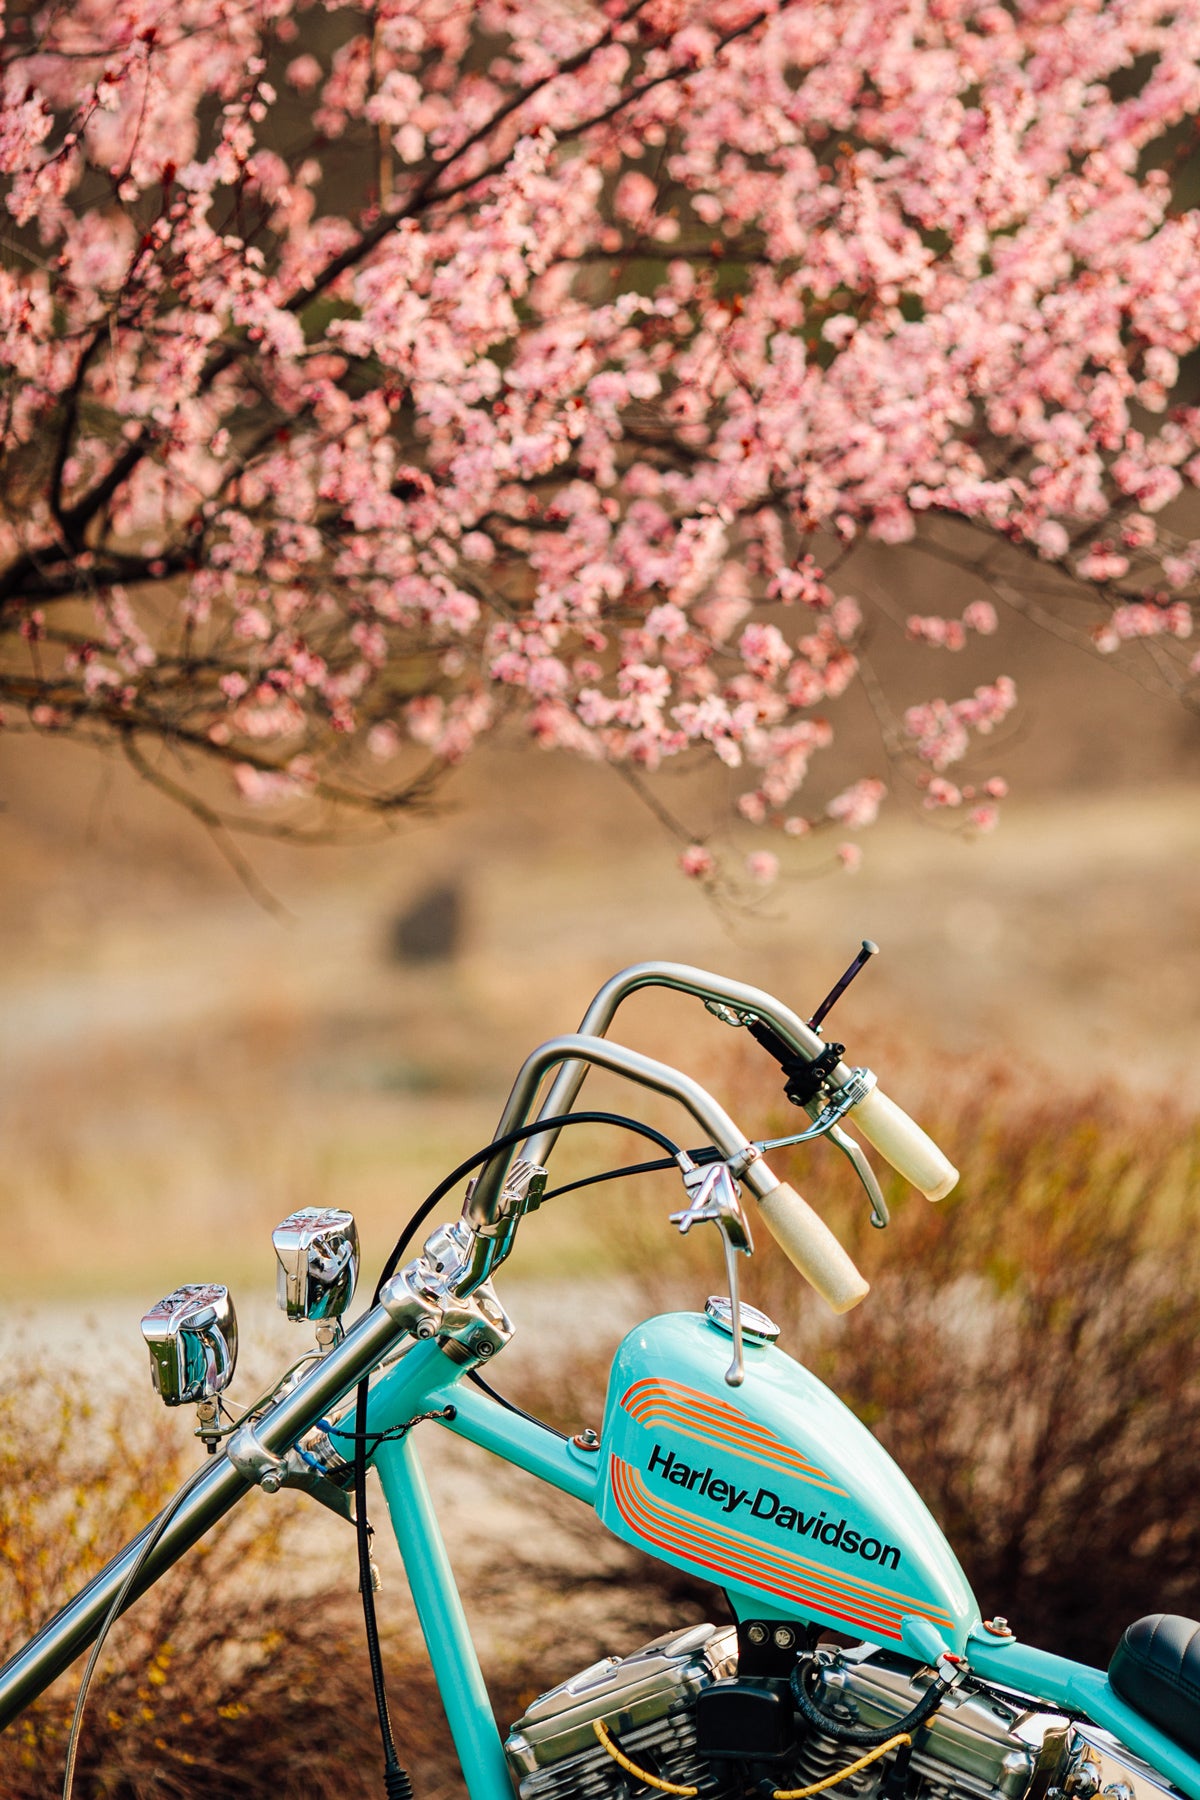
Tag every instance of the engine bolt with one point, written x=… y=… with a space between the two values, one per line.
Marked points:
x=757 y=1634
x=785 y=1637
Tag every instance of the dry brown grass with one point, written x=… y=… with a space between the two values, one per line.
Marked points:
x=228 y=1678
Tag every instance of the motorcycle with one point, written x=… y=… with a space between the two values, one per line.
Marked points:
x=858 y=1662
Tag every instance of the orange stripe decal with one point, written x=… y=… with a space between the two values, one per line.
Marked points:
x=748 y=1561
x=696 y=1415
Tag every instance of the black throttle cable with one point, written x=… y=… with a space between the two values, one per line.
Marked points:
x=396 y=1781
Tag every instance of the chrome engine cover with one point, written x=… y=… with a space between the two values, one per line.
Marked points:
x=979 y=1745
x=985 y=1746
x=1100 y=1764
x=645 y=1699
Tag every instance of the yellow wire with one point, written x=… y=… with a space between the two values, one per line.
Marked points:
x=853 y=1768
x=619 y=1756
x=817 y=1787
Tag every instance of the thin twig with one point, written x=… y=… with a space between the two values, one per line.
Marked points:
x=214 y=825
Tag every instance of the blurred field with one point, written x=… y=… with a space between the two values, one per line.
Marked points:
x=181 y=1069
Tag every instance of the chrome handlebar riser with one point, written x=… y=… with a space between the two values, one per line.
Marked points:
x=251 y=1458
x=577 y=1051
x=262 y=1468
x=414 y=1300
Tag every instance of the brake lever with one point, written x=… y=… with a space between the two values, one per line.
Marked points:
x=826 y=1123
x=853 y=1151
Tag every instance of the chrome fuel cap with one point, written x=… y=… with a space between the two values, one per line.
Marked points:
x=757 y=1328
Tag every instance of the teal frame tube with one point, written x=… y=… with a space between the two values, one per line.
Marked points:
x=1079 y=1688
x=443 y=1622
x=530 y=1447
x=425 y=1380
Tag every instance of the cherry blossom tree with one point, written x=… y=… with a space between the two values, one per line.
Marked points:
x=374 y=375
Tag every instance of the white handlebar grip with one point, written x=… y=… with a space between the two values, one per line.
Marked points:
x=808 y=1242
x=901 y=1140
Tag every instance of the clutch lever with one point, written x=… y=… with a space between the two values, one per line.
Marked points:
x=853 y=1151
x=713 y=1199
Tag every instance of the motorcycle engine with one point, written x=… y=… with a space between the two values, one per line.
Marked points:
x=681 y=1710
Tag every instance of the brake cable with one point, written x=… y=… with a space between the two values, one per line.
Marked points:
x=871 y=1736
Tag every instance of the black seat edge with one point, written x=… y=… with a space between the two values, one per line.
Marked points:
x=1156 y=1669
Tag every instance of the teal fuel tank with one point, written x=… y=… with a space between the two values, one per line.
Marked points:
x=773 y=1490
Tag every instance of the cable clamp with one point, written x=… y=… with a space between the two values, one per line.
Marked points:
x=252 y=1460
x=737 y=1165
x=412 y=1299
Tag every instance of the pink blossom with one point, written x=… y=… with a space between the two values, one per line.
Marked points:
x=763 y=867
x=635 y=197
x=1137 y=619
x=1138 y=532
x=381 y=458
x=980 y=616
x=1052 y=539
x=939 y=792
x=721 y=616
x=858 y=806
x=947 y=633
x=839 y=329
x=850 y=856
x=383 y=741
x=1102 y=563
x=697 y=862
x=304 y=72
x=265 y=787
x=764 y=650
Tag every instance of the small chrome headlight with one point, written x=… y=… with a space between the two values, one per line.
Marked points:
x=317 y=1252
x=192 y=1339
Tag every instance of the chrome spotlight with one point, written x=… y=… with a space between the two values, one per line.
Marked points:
x=192 y=1338
x=317 y=1252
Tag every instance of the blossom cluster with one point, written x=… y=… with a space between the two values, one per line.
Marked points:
x=565 y=368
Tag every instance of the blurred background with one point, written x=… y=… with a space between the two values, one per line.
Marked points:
x=183 y=1067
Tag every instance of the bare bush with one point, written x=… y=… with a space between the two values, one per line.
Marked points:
x=223 y=1679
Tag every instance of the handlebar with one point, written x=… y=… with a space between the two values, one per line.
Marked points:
x=901 y=1142
x=419 y=1301
x=811 y=1247
x=808 y=1242
x=898 y=1139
